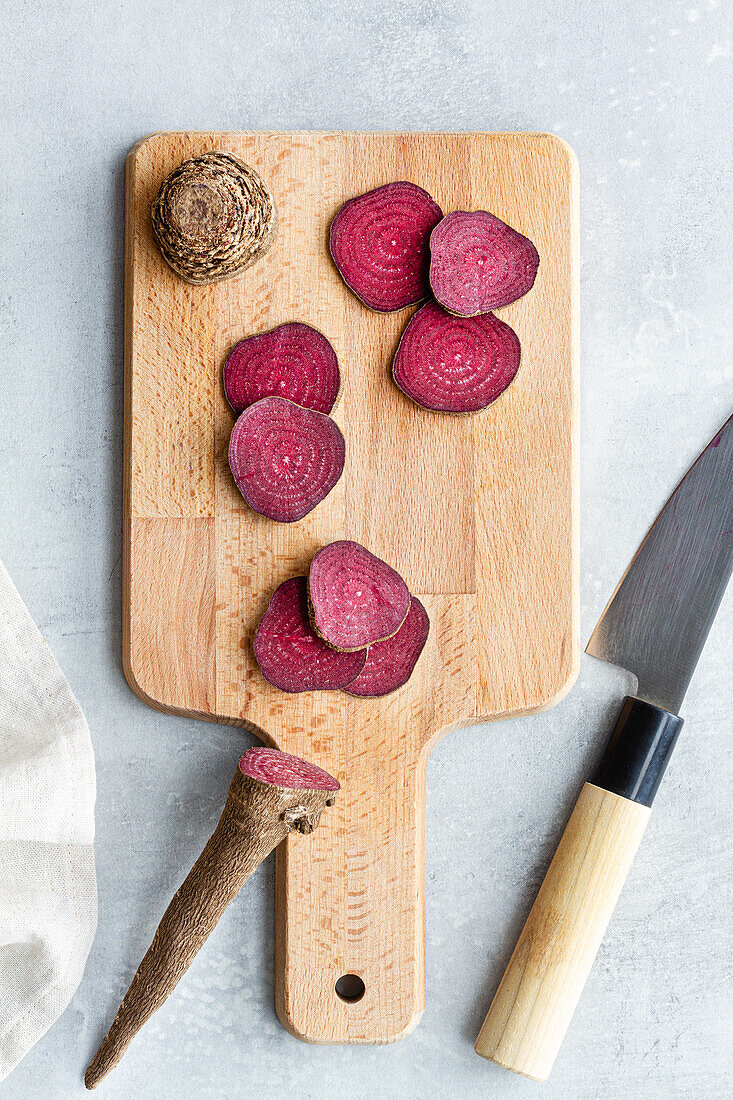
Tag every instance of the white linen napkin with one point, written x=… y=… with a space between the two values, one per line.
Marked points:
x=48 y=888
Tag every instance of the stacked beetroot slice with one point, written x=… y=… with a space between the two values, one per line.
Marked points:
x=351 y=624
x=389 y=664
x=293 y=361
x=380 y=244
x=290 y=654
x=285 y=459
x=393 y=248
x=356 y=599
x=455 y=364
x=478 y=263
x=285 y=452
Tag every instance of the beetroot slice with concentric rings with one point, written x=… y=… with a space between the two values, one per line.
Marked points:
x=478 y=263
x=380 y=245
x=280 y=769
x=356 y=599
x=293 y=361
x=285 y=459
x=290 y=654
x=455 y=364
x=389 y=664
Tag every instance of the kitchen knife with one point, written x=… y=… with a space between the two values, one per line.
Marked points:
x=655 y=627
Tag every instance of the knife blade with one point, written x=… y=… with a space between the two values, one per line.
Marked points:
x=657 y=620
x=655 y=626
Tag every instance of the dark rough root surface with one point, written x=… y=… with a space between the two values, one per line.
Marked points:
x=380 y=245
x=285 y=459
x=255 y=819
x=283 y=770
x=293 y=361
x=389 y=664
x=213 y=217
x=455 y=364
x=356 y=599
x=478 y=263
x=290 y=654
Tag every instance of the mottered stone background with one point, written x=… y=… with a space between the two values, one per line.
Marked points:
x=643 y=92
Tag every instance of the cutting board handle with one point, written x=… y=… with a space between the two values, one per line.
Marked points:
x=350 y=930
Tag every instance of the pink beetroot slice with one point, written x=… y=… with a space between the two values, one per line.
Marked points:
x=478 y=263
x=455 y=364
x=389 y=664
x=285 y=459
x=356 y=599
x=290 y=654
x=380 y=244
x=293 y=361
x=283 y=770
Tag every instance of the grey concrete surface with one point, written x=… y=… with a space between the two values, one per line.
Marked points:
x=643 y=93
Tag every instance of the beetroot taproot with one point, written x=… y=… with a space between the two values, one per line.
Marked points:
x=285 y=459
x=356 y=599
x=478 y=263
x=271 y=796
x=389 y=664
x=293 y=361
x=455 y=364
x=380 y=245
x=290 y=654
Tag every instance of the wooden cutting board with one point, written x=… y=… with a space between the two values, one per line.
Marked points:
x=478 y=513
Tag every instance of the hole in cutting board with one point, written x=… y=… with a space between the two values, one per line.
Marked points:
x=350 y=988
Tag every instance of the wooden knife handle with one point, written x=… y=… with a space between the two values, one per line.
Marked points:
x=542 y=984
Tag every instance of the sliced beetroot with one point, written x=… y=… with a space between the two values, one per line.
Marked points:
x=389 y=664
x=285 y=459
x=290 y=654
x=478 y=263
x=356 y=599
x=380 y=244
x=280 y=769
x=293 y=361
x=455 y=364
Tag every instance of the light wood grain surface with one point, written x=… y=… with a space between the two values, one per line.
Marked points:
x=478 y=513
x=542 y=984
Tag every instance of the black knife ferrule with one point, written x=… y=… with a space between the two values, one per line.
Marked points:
x=638 y=751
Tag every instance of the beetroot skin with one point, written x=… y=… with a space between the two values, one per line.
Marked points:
x=356 y=599
x=478 y=263
x=293 y=361
x=285 y=459
x=455 y=364
x=389 y=664
x=290 y=654
x=380 y=245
